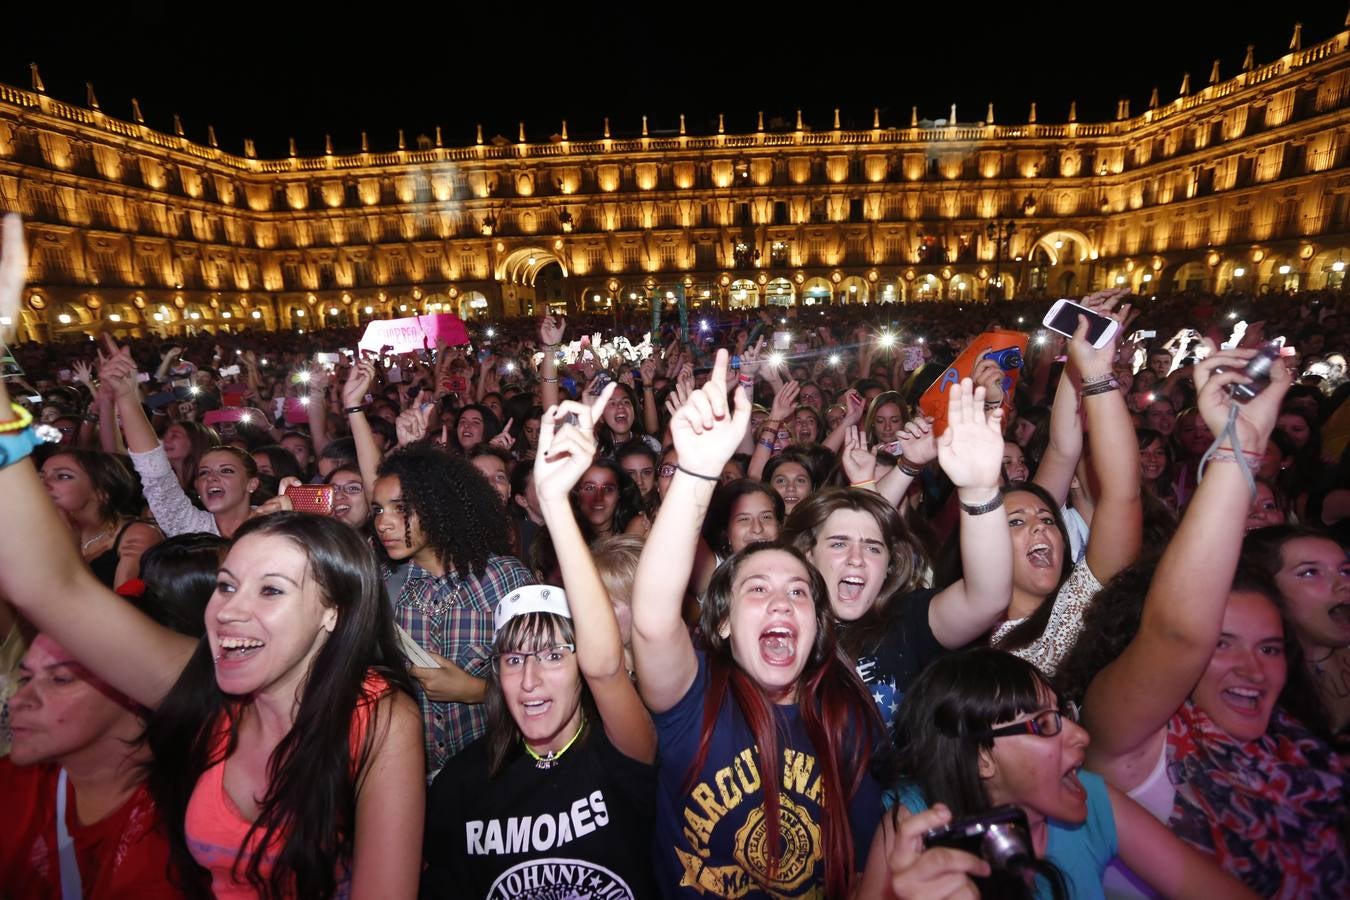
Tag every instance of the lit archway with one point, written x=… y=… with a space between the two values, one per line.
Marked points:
x=524 y=265
x=1065 y=246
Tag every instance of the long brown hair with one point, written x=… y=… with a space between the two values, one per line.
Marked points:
x=904 y=569
x=836 y=711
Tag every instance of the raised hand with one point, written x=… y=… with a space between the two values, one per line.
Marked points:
x=706 y=430
x=84 y=375
x=1087 y=360
x=551 y=329
x=917 y=441
x=412 y=424
x=647 y=369
x=970 y=451
x=117 y=368
x=358 y=383
x=784 y=402
x=566 y=450
x=858 y=462
x=853 y=407
x=752 y=358
x=989 y=376
x=1256 y=418
x=505 y=440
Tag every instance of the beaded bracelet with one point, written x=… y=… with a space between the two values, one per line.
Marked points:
x=22 y=419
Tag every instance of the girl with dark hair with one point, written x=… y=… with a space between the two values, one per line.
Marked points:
x=277 y=461
x=885 y=418
x=568 y=741
x=1155 y=466
x=100 y=498
x=1049 y=591
x=178 y=576
x=285 y=746
x=1311 y=571
x=874 y=567
x=790 y=474
x=742 y=513
x=982 y=728
x=608 y=501
x=807 y=426
x=1186 y=718
x=764 y=732
x=619 y=422
x=185 y=443
x=476 y=425
x=225 y=480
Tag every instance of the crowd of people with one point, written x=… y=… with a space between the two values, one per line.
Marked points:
x=783 y=606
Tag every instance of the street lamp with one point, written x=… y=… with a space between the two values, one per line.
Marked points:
x=1000 y=232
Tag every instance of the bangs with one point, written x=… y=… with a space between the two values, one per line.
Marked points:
x=533 y=632
x=992 y=687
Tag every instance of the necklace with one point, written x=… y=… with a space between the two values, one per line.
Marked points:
x=551 y=759
x=94 y=540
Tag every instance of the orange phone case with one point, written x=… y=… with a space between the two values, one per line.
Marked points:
x=1011 y=347
x=318 y=499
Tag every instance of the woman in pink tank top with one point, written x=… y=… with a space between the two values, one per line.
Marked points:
x=287 y=746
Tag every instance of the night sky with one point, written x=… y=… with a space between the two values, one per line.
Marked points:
x=272 y=75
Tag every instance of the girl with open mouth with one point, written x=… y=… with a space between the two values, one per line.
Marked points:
x=765 y=733
x=983 y=729
x=1185 y=707
x=569 y=742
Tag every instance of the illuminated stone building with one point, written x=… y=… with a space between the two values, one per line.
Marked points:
x=1236 y=182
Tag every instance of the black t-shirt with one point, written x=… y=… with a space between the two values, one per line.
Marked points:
x=901 y=654
x=580 y=829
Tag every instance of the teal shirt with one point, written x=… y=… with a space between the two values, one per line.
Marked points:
x=1081 y=852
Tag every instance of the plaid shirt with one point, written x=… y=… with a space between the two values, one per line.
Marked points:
x=452 y=616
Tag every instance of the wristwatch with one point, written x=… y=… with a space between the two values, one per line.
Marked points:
x=15 y=445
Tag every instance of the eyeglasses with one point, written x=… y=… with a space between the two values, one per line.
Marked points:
x=351 y=488
x=590 y=487
x=554 y=657
x=666 y=471
x=1046 y=723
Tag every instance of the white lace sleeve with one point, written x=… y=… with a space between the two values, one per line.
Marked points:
x=1066 y=621
x=173 y=511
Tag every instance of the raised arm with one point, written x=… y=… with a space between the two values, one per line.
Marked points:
x=784 y=402
x=1055 y=472
x=1118 y=518
x=354 y=392
x=565 y=452
x=317 y=408
x=1130 y=701
x=706 y=431
x=853 y=416
x=551 y=331
x=44 y=577
x=970 y=451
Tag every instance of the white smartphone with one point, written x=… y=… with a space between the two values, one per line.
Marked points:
x=1063 y=318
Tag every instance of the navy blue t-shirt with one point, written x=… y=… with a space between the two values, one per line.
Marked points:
x=904 y=652
x=712 y=840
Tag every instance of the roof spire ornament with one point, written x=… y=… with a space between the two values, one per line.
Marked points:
x=989 y=115
x=402 y=142
x=90 y=99
x=913 y=117
x=682 y=132
x=211 y=136
x=1031 y=116
x=177 y=125
x=799 y=120
x=1153 y=99
x=564 y=129
x=876 y=117
x=365 y=142
x=759 y=121
x=136 y=111
x=1296 y=42
x=836 y=118
x=478 y=137
x=439 y=142
x=36 y=78
x=327 y=145
x=644 y=126
x=1073 y=110
x=1214 y=73
x=292 y=148
x=1186 y=84
x=1249 y=61
x=606 y=127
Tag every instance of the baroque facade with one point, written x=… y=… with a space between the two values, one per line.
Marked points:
x=1239 y=184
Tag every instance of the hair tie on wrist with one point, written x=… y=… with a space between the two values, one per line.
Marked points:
x=352 y=410
x=681 y=468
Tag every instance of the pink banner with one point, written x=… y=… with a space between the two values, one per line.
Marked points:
x=414 y=333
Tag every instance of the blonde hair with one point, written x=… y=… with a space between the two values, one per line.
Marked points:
x=616 y=558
